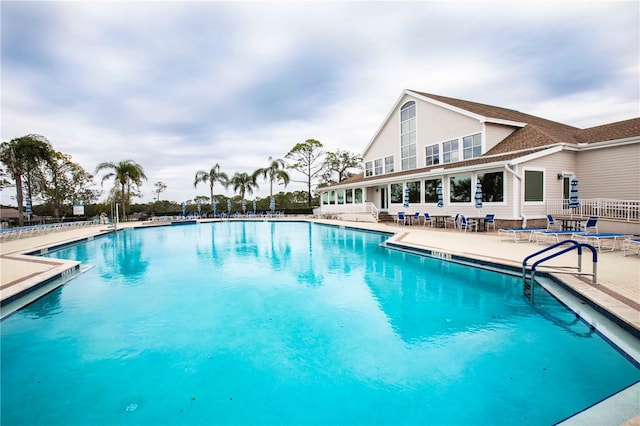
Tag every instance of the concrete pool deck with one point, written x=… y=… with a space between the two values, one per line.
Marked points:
x=617 y=291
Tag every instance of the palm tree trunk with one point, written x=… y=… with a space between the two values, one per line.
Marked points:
x=124 y=206
x=19 y=199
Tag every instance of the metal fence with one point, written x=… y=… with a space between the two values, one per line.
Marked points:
x=624 y=210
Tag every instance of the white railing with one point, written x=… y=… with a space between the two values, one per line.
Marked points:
x=371 y=208
x=625 y=210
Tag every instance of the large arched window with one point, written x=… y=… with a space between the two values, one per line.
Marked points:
x=408 y=135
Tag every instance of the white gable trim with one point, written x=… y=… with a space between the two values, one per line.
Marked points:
x=407 y=92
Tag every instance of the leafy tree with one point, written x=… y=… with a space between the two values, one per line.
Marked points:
x=275 y=171
x=341 y=163
x=306 y=158
x=19 y=155
x=160 y=187
x=212 y=176
x=61 y=181
x=127 y=173
x=243 y=184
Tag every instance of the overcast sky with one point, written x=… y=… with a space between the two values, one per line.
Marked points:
x=180 y=86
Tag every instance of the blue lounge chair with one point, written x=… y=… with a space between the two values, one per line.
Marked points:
x=597 y=239
x=452 y=221
x=401 y=218
x=630 y=244
x=543 y=236
x=416 y=218
x=518 y=234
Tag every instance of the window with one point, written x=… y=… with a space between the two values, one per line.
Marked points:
x=430 y=190
x=368 y=168
x=414 y=192
x=396 y=193
x=358 y=195
x=533 y=185
x=450 y=151
x=460 y=189
x=348 y=195
x=388 y=164
x=432 y=155
x=378 y=166
x=408 y=136
x=325 y=198
x=341 y=196
x=492 y=187
x=332 y=197
x=472 y=146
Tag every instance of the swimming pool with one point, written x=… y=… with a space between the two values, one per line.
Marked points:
x=293 y=323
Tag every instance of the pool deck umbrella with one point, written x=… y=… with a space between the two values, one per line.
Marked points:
x=184 y=208
x=199 y=207
x=29 y=209
x=229 y=206
x=272 y=204
x=574 y=202
x=214 y=203
x=478 y=196
x=405 y=204
x=440 y=198
x=254 y=206
x=244 y=205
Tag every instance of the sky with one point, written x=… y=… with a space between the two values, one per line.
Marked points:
x=180 y=86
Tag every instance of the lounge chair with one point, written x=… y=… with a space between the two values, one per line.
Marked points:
x=631 y=244
x=597 y=239
x=551 y=224
x=489 y=220
x=427 y=219
x=543 y=236
x=518 y=234
x=467 y=223
x=416 y=218
x=401 y=218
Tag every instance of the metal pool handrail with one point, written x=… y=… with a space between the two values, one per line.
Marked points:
x=528 y=288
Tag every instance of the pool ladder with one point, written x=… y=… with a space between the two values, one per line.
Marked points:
x=529 y=272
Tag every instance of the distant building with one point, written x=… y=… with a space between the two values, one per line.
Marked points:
x=523 y=162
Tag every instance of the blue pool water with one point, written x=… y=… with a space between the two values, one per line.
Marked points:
x=254 y=323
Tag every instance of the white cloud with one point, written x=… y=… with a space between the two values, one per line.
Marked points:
x=180 y=86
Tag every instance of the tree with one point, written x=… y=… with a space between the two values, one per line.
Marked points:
x=341 y=162
x=61 y=181
x=243 y=183
x=306 y=158
x=126 y=173
x=19 y=155
x=273 y=172
x=212 y=176
x=160 y=187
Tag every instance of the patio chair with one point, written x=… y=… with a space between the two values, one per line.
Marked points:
x=467 y=223
x=551 y=224
x=591 y=226
x=453 y=221
x=427 y=219
x=489 y=221
x=401 y=218
x=416 y=218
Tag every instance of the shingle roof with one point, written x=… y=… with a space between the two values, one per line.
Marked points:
x=612 y=131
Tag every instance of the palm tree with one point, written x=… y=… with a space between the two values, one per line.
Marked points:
x=273 y=172
x=20 y=155
x=126 y=173
x=212 y=176
x=243 y=183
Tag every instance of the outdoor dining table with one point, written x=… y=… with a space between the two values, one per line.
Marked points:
x=571 y=223
x=440 y=219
